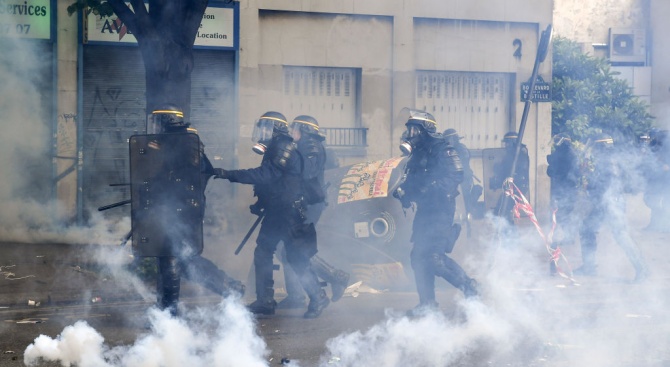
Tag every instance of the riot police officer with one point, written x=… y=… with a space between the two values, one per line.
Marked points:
x=169 y=119
x=656 y=171
x=305 y=132
x=279 y=184
x=605 y=188
x=432 y=175
x=503 y=170
x=563 y=169
x=469 y=191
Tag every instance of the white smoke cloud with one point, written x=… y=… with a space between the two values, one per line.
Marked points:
x=225 y=336
x=29 y=211
x=431 y=340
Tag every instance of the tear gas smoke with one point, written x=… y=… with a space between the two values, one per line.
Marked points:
x=523 y=318
x=225 y=336
x=28 y=212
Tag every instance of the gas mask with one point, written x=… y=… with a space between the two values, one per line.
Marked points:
x=262 y=135
x=410 y=139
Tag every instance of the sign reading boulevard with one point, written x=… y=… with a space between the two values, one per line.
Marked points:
x=541 y=93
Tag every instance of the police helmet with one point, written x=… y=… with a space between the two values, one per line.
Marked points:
x=603 y=141
x=276 y=119
x=644 y=139
x=268 y=126
x=306 y=125
x=510 y=139
x=424 y=120
x=452 y=136
x=165 y=119
x=560 y=139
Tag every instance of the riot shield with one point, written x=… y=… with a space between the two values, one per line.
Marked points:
x=167 y=195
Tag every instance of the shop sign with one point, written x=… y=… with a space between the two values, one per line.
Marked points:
x=25 y=19
x=218 y=29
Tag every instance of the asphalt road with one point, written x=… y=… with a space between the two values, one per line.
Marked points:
x=600 y=322
x=524 y=317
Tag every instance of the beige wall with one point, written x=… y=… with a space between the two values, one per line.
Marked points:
x=388 y=41
x=660 y=62
x=588 y=22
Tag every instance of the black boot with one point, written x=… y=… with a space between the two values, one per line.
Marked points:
x=263 y=307
x=470 y=288
x=168 y=285
x=204 y=271
x=423 y=309
x=316 y=305
x=339 y=285
x=338 y=279
x=265 y=292
x=233 y=286
x=318 y=300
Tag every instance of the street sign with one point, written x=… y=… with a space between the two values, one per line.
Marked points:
x=542 y=91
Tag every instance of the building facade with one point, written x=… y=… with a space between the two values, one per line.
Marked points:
x=631 y=34
x=353 y=66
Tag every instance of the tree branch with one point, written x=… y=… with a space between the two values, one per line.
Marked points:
x=142 y=16
x=125 y=14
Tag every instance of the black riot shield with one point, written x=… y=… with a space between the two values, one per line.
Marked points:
x=167 y=197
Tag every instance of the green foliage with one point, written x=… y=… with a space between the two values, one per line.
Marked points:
x=96 y=7
x=589 y=99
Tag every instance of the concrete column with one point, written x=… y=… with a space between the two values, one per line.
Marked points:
x=66 y=130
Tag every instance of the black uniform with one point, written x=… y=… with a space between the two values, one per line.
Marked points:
x=312 y=149
x=433 y=173
x=278 y=183
x=605 y=188
x=195 y=268
x=656 y=171
x=563 y=170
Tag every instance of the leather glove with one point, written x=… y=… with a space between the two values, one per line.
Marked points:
x=220 y=173
x=256 y=208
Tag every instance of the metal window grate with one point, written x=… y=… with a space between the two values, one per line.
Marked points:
x=345 y=137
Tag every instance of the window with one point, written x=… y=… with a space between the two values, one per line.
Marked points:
x=477 y=105
x=324 y=93
x=330 y=96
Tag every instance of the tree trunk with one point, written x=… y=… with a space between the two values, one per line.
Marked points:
x=165 y=35
x=168 y=70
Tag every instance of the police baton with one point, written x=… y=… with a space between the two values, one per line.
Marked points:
x=251 y=230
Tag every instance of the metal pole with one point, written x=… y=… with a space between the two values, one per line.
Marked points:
x=542 y=49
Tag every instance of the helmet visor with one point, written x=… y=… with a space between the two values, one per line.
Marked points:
x=160 y=121
x=263 y=130
x=295 y=130
x=413 y=131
